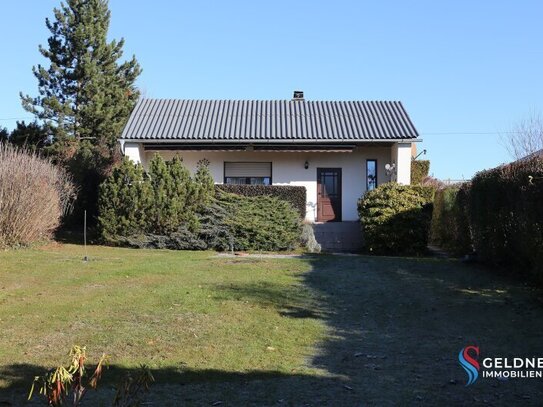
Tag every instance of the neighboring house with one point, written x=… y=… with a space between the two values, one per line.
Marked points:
x=537 y=154
x=336 y=149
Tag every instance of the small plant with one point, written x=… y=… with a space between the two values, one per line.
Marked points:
x=131 y=390
x=64 y=383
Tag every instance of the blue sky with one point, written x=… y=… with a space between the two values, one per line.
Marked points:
x=463 y=69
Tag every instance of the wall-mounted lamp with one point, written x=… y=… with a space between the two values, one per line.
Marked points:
x=419 y=154
x=306 y=164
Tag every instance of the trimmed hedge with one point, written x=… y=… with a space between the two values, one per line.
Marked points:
x=419 y=171
x=506 y=215
x=296 y=195
x=396 y=219
x=499 y=215
x=450 y=227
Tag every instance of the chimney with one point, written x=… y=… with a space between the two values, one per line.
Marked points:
x=298 y=95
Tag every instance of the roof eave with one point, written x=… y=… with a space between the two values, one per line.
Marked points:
x=274 y=141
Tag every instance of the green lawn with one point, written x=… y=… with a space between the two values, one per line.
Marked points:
x=317 y=330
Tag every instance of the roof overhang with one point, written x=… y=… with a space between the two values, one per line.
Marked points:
x=291 y=148
x=259 y=146
x=269 y=141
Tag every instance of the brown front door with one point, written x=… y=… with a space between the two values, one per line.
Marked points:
x=328 y=194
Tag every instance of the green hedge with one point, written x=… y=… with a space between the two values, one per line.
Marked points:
x=296 y=195
x=261 y=222
x=396 y=218
x=506 y=215
x=450 y=227
x=419 y=170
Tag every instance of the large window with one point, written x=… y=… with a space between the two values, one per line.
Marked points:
x=254 y=173
x=371 y=174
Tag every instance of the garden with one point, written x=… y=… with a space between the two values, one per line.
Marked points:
x=207 y=327
x=180 y=292
x=257 y=330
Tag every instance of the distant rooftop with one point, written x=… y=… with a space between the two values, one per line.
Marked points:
x=268 y=121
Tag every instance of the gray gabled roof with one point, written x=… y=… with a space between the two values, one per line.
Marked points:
x=267 y=121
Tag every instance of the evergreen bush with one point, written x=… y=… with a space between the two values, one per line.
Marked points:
x=261 y=222
x=419 y=171
x=506 y=216
x=169 y=208
x=296 y=195
x=450 y=227
x=159 y=202
x=396 y=218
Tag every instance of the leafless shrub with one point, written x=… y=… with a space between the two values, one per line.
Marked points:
x=432 y=182
x=34 y=195
x=525 y=138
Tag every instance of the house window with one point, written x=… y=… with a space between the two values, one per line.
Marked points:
x=254 y=173
x=371 y=174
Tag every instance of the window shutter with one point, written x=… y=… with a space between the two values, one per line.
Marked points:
x=247 y=169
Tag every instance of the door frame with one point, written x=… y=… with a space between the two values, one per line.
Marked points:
x=340 y=193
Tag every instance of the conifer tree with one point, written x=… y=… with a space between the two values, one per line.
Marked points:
x=204 y=183
x=125 y=201
x=31 y=136
x=4 y=135
x=85 y=94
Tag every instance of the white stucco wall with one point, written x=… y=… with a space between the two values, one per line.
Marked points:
x=135 y=152
x=288 y=169
x=402 y=154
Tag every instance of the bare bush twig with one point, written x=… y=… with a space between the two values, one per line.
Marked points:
x=34 y=195
x=526 y=137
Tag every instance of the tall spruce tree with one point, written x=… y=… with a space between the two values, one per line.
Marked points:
x=85 y=94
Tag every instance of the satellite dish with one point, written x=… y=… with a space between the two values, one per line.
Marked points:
x=390 y=169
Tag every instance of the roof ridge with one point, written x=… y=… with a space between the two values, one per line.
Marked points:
x=273 y=100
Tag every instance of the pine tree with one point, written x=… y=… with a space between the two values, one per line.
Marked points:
x=85 y=94
x=4 y=135
x=31 y=136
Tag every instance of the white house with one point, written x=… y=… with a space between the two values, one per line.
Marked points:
x=336 y=149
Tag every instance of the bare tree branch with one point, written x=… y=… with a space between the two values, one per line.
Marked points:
x=525 y=138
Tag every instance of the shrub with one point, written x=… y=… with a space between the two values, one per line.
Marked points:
x=396 y=218
x=419 y=171
x=167 y=208
x=159 y=202
x=261 y=222
x=506 y=216
x=450 y=227
x=34 y=195
x=296 y=195
x=65 y=385
x=124 y=202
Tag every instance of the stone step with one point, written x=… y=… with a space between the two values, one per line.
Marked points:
x=339 y=236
